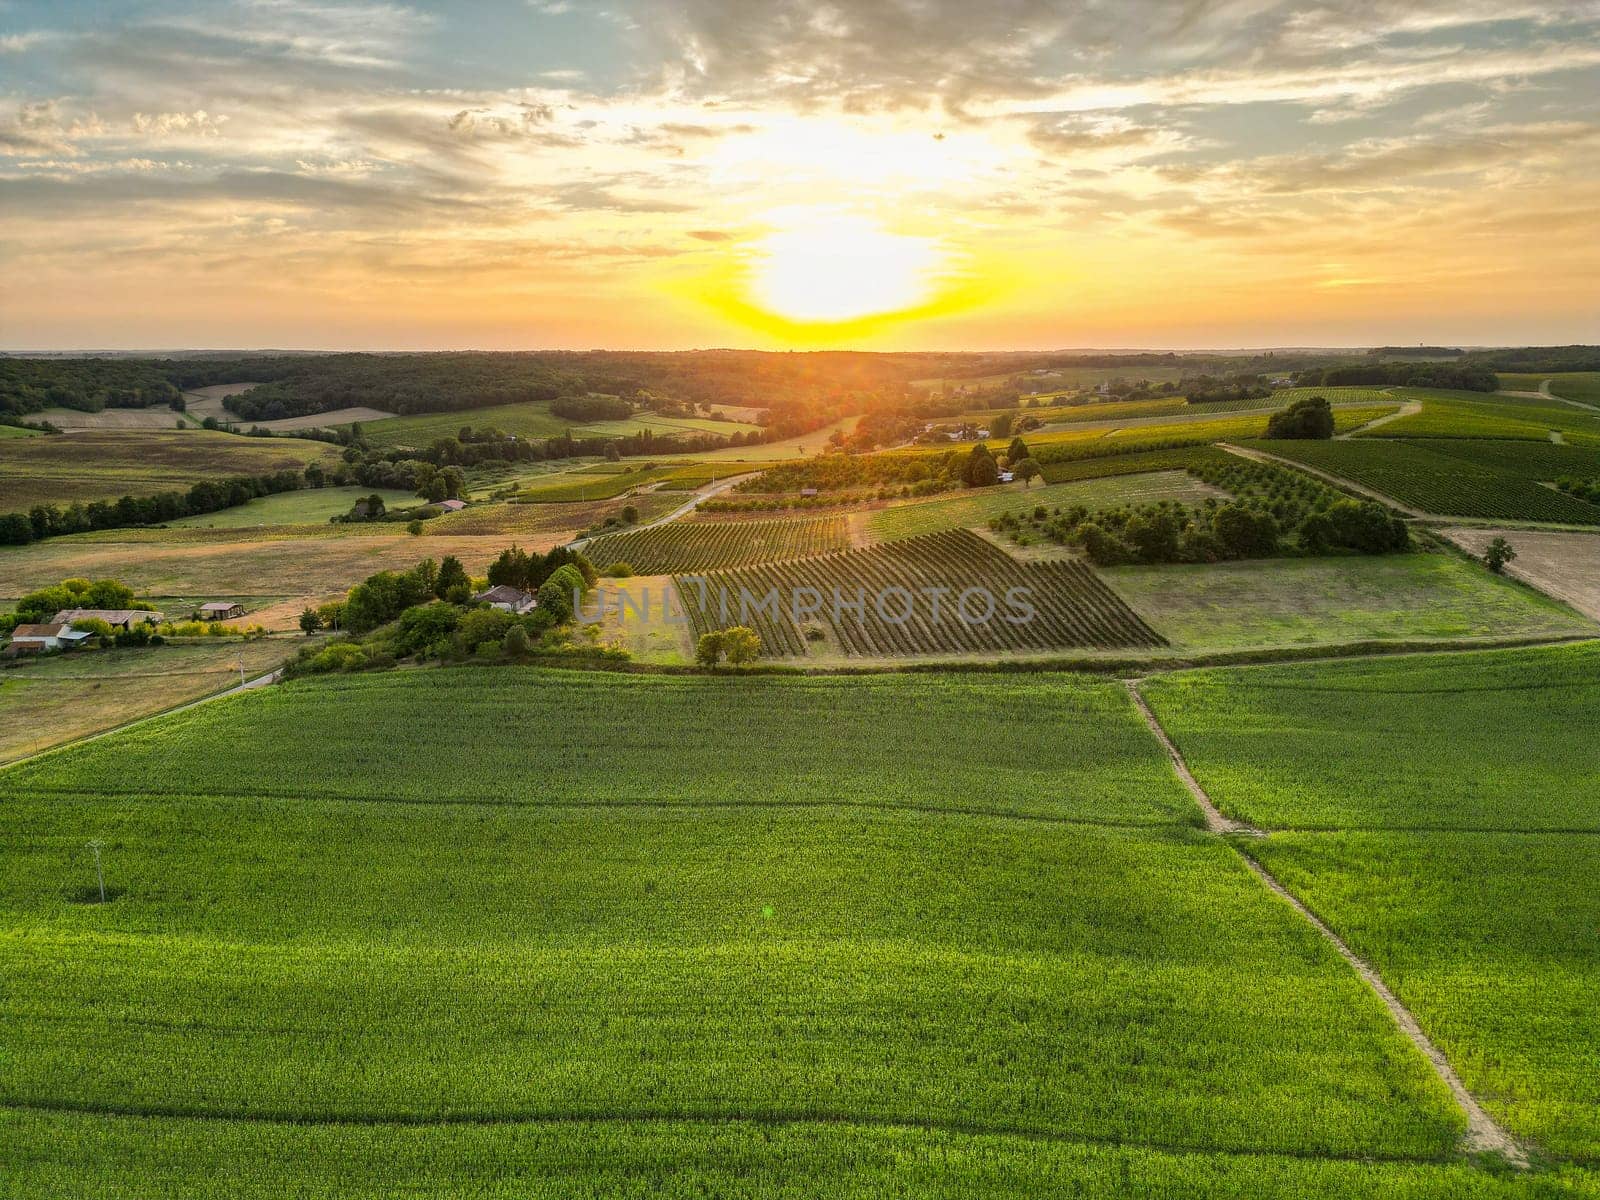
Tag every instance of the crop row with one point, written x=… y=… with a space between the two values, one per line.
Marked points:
x=941 y=593
x=1436 y=483
x=681 y=546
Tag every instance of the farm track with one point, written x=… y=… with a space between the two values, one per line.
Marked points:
x=1483 y=1135
x=1410 y=409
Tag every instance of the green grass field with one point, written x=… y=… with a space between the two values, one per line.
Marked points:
x=1443 y=814
x=306 y=506
x=1497 y=740
x=17 y=431
x=973 y=509
x=1328 y=601
x=107 y=464
x=531 y=419
x=773 y=899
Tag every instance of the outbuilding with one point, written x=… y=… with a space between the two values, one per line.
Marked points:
x=34 y=639
x=221 y=610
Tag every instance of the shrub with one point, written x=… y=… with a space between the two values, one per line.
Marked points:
x=708 y=650
x=1311 y=418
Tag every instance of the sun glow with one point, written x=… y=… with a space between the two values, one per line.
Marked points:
x=835 y=267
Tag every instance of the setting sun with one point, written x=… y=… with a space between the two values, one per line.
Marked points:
x=834 y=267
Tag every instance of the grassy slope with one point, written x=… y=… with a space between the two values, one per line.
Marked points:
x=309 y=505
x=652 y=917
x=104 y=465
x=1327 y=601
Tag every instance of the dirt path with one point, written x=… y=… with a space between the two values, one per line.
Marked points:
x=1263 y=456
x=1215 y=821
x=683 y=509
x=1483 y=1134
x=1410 y=409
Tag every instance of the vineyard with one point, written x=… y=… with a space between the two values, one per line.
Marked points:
x=974 y=508
x=1447 y=414
x=1434 y=483
x=686 y=546
x=1070 y=606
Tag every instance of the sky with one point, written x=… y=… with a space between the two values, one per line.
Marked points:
x=783 y=174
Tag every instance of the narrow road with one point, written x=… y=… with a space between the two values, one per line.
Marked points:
x=1329 y=477
x=686 y=507
x=1483 y=1134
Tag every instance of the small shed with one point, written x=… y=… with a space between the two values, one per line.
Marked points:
x=220 y=610
x=452 y=505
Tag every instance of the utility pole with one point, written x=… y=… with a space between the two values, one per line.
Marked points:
x=99 y=875
x=240 y=664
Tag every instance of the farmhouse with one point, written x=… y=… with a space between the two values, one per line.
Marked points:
x=117 y=618
x=220 y=610
x=507 y=599
x=31 y=639
x=451 y=505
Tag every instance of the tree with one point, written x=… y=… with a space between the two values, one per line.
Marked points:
x=1153 y=536
x=452 y=575
x=708 y=650
x=612 y=453
x=1311 y=418
x=741 y=644
x=630 y=515
x=414 y=528
x=1000 y=425
x=1244 y=533
x=1498 y=555
x=980 y=470
x=1017 y=451
x=1026 y=469
x=310 y=621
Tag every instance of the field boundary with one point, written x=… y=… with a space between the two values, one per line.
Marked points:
x=1483 y=1134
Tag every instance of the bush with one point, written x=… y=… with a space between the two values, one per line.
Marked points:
x=1311 y=418
x=342 y=656
x=708 y=650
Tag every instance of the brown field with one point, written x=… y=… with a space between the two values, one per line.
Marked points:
x=1563 y=565
x=48 y=701
x=244 y=568
x=72 y=420
x=106 y=464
